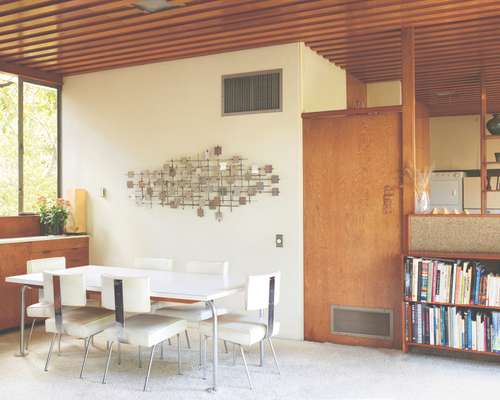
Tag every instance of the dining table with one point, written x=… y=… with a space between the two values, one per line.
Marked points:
x=165 y=286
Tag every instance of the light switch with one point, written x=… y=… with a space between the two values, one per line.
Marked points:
x=279 y=240
x=102 y=192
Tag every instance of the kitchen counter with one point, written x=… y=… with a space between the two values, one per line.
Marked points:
x=39 y=238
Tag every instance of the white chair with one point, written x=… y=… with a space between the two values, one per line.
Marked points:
x=195 y=313
x=159 y=264
x=132 y=295
x=262 y=292
x=66 y=292
x=42 y=309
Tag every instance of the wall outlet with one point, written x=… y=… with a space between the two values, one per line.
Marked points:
x=279 y=240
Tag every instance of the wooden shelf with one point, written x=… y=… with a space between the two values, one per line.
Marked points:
x=455 y=255
x=492 y=137
x=452 y=349
x=478 y=306
x=492 y=162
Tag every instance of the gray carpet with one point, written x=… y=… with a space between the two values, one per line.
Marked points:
x=309 y=371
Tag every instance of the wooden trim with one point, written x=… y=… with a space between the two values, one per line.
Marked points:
x=409 y=127
x=455 y=255
x=452 y=349
x=482 y=132
x=50 y=78
x=349 y=112
x=19 y=226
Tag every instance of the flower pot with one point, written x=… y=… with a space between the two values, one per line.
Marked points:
x=44 y=229
x=57 y=228
x=493 y=124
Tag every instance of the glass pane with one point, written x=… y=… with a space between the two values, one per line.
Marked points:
x=40 y=143
x=8 y=145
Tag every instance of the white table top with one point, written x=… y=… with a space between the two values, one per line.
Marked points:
x=164 y=284
x=25 y=239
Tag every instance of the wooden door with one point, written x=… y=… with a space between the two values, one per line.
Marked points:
x=352 y=221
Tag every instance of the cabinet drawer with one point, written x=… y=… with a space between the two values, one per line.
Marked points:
x=75 y=257
x=60 y=244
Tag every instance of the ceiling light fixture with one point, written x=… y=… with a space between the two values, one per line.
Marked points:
x=152 y=6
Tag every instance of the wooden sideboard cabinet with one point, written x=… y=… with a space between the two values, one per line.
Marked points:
x=14 y=253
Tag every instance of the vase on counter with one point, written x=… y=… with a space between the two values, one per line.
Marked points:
x=44 y=229
x=57 y=228
x=493 y=124
x=422 y=202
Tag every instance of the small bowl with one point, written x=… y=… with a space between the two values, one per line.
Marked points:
x=497 y=157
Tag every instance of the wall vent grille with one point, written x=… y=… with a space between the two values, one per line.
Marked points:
x=365 y=322
x=253 y=92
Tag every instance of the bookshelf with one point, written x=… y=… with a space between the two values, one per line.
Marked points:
x=454 y=325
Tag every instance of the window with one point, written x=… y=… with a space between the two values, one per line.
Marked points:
x=28 y=144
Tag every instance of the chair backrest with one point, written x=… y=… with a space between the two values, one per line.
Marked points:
x=208 y=267
x=126 y=294
x=45 y=264
x=66 y=288
x=262 y=291
x=161 y=264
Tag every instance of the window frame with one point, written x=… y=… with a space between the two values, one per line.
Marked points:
x=20 y=138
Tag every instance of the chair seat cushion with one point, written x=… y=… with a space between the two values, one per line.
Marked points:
x=240 y=329
x=44 y=310
x=157 y=305
x=82 y=322
x=190 y=312
x=146 y=330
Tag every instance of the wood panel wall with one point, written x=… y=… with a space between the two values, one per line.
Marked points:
x=352 y=219
x=356 y=92
x=19 y=226
x=13 y=258
x=422 y=137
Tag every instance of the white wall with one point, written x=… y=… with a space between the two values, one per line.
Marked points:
x=139 y=117
x=323 y=84
x=387 y=93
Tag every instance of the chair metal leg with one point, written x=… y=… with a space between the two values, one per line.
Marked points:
x=246 y=367
x=119 y=348
x=204 y=359
x=162 y=344
x=31 y=333
x=261 y=353
x=234 y=354
x=149 y=367
x=140 y=356
x=50 y=352
x=274 y=355
x=87 y=347
x=169 y=342
x=59 y=346
x=107 y=363
x=201 y=349
x=187 y=339
x=179 y=354
x=225 y=347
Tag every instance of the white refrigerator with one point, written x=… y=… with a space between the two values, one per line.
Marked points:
x=446 y=190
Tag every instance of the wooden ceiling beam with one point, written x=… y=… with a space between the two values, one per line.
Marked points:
x=50 y=78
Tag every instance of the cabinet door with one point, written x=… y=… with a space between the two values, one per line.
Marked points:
x=75 y=250
x=13 y=259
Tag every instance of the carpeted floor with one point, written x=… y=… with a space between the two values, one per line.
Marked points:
x=309 y=371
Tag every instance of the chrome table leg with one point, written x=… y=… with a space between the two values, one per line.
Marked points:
x=140 y=356
x=215 y=350
x=22 y=315
x=187 y=339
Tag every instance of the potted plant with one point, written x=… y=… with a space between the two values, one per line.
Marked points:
x=59 y=215
x=44 y=213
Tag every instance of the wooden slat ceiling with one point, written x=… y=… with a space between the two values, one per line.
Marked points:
x=456 y=40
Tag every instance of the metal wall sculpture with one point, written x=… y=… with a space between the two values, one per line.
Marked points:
x=206 y=181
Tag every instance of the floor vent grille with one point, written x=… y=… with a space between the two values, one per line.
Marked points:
x=365 y=322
